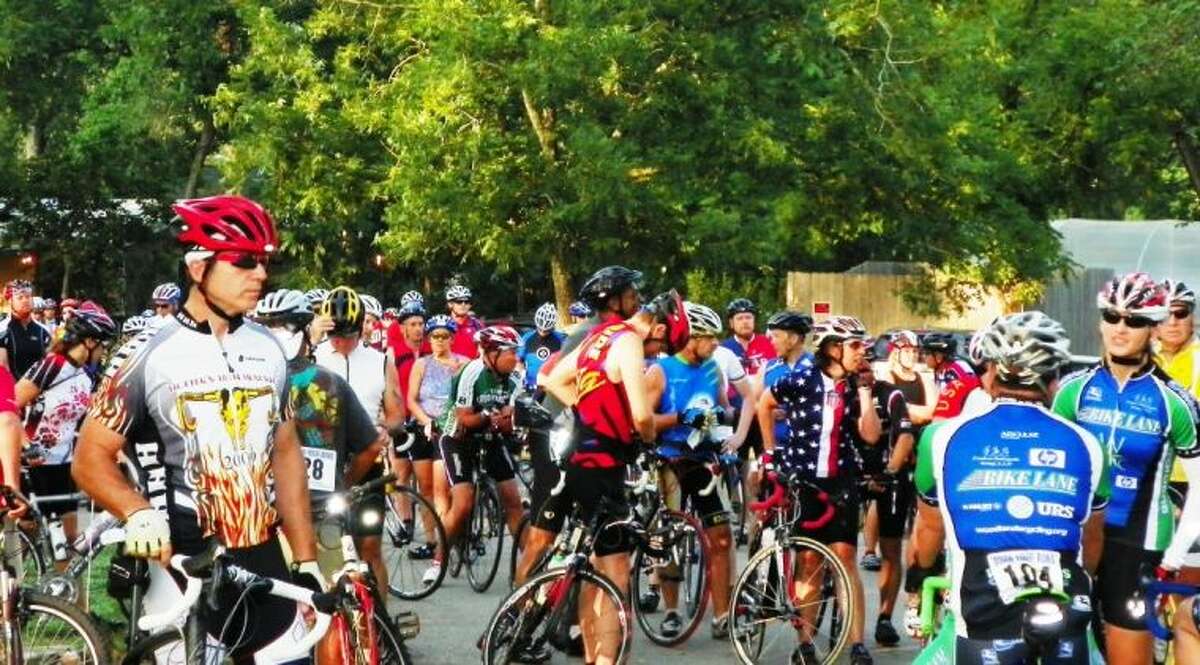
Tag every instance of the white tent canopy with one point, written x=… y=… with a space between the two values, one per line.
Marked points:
x=1163 y=248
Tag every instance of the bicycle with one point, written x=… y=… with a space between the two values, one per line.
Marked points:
x=405 y=560
x=206 y=574
x=791 y=582
x=360 y=620
x=731 y=476
x=487 y=523
x=538 y=612
x=39 y=627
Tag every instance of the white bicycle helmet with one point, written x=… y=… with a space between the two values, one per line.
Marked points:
x=702 y=319
x=1179 y=293
x=371 y=305
x=167 y=292
x=134 y=325
x=411 y=297
x=545 y=318
x=458 y=292
x=975 y=348
x=316 y=297
x=1025 y=347
x=838 y=329
x=38 y=304
x=287 y=304
x=1135 y=293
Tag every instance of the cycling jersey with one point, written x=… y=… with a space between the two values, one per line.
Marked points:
x=478 y=388
x=198 y=415
x=753 y=357
x=962 y=395
x=25 y=343
x=950 y=371
x=686 y=386
x=535 y=349
x=1014 y=485
x=365 y=369
x=464 y=336
x=1144 y=424
x=776 y=369
x=1184 y=368
x=604 y=421
x=892 y=409
x=821 y=415
x=8 y=393
x=731 y=372
x=332 y=424
x=64 y=394
x=434 y=392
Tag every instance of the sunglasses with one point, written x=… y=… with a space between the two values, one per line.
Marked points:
x=1131 y=320
x=461 y=302
x=1181 y=314
x=244 y=260
x=162 y=305
x=439 y=337
x=853 y=344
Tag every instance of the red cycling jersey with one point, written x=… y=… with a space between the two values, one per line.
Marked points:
x=954 y=396
x=8 y=391
x=602 y=407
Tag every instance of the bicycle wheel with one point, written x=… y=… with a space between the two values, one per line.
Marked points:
x=482 y=548
x=55 y=631
x=23 y=554
x=163 y=648
x=779 y=602
x=407 y=550
x=538 y=612
x=514 y=552
x=685 y=568
x=390 y=648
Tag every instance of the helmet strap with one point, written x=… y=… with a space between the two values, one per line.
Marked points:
x=1129 y=361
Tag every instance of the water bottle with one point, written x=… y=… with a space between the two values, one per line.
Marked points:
x=87 y=540
x=58 y=538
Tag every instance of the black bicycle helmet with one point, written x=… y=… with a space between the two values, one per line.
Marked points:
x=939 y=342
x=797 y=322
x=740 y=306
x=346 y=309
x=89 y=324
x=606 y=283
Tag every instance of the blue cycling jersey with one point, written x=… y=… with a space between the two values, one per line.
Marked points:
x=1014 y=484
x=535 y=350
x=1144 y=425
x=687 y=386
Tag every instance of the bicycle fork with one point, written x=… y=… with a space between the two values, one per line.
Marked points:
x=13 y=649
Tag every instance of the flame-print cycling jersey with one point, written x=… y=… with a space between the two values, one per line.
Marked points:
x=1144 y=424
x=199 y=415
x=1014 y=485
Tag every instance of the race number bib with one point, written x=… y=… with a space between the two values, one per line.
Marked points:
x=1020 y=571
x=321 y=465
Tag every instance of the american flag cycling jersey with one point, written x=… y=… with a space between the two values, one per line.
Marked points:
x=821 y=415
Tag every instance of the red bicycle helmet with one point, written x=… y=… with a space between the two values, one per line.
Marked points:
x=497 y=338
x=668 y=308
x=226 y=224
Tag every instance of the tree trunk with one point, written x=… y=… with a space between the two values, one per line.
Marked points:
x=66 y=280
x=208 y=135
x=561 y=277
x=35 y=140
x=1191 y=160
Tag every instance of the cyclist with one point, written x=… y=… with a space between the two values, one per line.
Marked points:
x=412 y=298
x=579 y=312
x=887 y=514
x=825 y=418
x=459 y=301
x=1178 y=352
x=1146 y=421
x=967 y=393
x=372 y=375
x=373 y=334
x=38 y=308
x=57 y=391
x=539 y=344
x=406 y=339
x=752 y=348
x=23 y=340
x=603 y=380
x=132 y=327
x=198 y=406
x=939 y=349
x=611 y=294
x=482 y=414
x=67 y=308
x=1018 y=494
x=166 y=300
x=752 y=351
x=50 y=316
x=687 y=390
x=339 y=438
x=428 y=398
x=904 y=373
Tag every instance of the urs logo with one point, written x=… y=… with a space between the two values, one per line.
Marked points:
x=588 y=381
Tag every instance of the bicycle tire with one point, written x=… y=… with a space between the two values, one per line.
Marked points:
x=406 y=574
x=93 y=641
x=487 y=524
x=143 y=651
x=30 y=557
x=514 y=551
x=693 y=590
x=748 y=628
x=526 y=599
x=392 y=649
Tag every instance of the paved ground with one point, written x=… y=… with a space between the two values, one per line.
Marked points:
x=453 y=618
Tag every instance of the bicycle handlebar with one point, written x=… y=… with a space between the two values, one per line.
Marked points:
x=1152 y=588
x=778 y=499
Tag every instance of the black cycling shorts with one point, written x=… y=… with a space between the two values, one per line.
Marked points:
x=460 y=457
x=593 y=489
x=1070 y=650
x=843 y=526
x=692 y=478
x=548 y=511
x=1118 y=589
x=422 y=449
x=893 y=506
x=51 y=479
x=261 y=618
